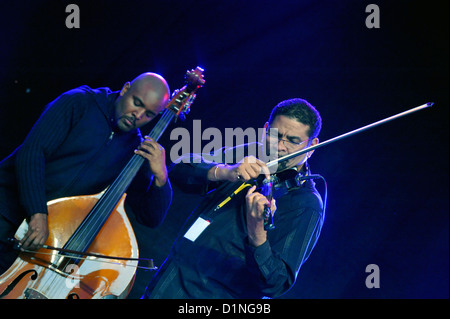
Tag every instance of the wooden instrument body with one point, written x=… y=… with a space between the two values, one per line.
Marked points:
x=54 y=275
x=91 y=278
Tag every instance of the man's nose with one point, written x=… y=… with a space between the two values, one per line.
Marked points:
x=281 y=146
x=138 y=114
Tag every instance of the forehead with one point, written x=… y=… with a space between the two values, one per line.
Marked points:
x=290 y=127
x=151 y=99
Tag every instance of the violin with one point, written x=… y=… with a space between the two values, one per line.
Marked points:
x=266 y=186
x=91 y=251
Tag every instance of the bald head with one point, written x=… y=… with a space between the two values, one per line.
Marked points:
x=141 y=100
x=153 y=88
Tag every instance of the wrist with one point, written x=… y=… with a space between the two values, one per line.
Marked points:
x=219 y=172
x=257 y=240
x=160 y=179
x=39 y=215
x=256 y=233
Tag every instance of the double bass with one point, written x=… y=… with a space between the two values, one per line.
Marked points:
x=91 y=251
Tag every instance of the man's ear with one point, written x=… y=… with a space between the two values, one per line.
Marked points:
x=125 y=88
x=315 y=141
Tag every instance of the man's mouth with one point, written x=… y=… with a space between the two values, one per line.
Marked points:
x=129 y=121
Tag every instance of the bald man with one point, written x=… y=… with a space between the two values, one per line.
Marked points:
x=78 y=146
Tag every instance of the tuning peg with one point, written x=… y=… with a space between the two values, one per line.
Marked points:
x=175 y=92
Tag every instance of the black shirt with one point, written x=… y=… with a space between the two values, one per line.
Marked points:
x=220 y=263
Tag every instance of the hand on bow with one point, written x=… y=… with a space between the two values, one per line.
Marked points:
x=37 y=232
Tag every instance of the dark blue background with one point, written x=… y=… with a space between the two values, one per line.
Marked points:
x=388 y=187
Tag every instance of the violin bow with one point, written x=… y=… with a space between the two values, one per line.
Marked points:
x=348 y=134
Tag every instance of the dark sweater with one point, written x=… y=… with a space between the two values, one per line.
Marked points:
x=74 y=149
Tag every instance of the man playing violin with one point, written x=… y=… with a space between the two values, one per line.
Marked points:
x=78 y=146
x=224 y=250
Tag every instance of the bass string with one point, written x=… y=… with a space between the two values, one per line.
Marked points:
x=111 y=197
x=106 y=204
x=48 y=283
x=113 y=194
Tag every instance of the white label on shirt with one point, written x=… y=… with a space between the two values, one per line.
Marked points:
x=197 y=228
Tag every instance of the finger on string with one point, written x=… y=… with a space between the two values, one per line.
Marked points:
x=273 y=206
x=148 y=144
x=142 y=153
x=251 y=190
